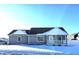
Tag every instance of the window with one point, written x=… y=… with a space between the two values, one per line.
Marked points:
x=59 y=37
x=63 y=37
x=19 y=39
x=40 y=39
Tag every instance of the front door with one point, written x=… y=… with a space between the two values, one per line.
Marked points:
x=50 y=40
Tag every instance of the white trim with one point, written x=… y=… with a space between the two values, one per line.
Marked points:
x=18 y=35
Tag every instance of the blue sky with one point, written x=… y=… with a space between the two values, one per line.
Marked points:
x=18 y=16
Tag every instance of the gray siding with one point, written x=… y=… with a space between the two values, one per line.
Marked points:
x=34 y=40
x=13 y=39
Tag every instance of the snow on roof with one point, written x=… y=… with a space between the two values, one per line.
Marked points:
x=20 y=32
x=55 y=31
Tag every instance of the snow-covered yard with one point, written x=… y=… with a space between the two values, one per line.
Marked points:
x=72 y=48
x=28 y=49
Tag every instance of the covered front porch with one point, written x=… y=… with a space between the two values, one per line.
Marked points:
x=56 y=36
x=57 y=40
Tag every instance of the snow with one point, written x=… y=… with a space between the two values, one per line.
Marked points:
x=27 y=49
x=55 y=31
x=71 y=49
x=20 y=32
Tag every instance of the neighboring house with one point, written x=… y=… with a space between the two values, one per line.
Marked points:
x=48 y=36
x=76 y=36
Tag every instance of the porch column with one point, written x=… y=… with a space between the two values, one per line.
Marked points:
x=47 y=37
x=55 y=42
x=61 y=40
x=66 y=40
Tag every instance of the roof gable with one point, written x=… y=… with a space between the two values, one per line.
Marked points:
x=12 y=32
x=55 y=31
x=20 y=32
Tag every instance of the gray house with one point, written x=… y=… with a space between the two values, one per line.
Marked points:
x=48 y=36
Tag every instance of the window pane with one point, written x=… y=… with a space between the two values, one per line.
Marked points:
x=63 y=37
x=40 y=38
x=59 y=37
x=19 y=38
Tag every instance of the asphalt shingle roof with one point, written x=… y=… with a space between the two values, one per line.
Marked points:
x=38 y=30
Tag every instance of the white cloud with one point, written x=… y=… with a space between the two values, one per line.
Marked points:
x=7 y=24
